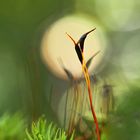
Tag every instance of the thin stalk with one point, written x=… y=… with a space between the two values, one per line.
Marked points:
x=86 y=74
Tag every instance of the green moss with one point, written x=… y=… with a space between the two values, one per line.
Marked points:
x=12 y=127
x=40 y=130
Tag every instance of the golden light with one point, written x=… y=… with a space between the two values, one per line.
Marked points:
x=56 y=45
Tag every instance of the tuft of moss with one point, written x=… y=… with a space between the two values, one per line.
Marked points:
x=40 y=130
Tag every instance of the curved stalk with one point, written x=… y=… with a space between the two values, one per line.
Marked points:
x=79 y=52
x=86 y=75
x=85 y=71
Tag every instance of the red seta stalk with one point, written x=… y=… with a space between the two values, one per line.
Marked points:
x=86 y=74
x=79 y=51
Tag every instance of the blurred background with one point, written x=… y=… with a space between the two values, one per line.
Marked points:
x=29 y=84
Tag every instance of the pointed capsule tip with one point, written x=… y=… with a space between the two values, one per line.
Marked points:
x=90 y=31
x=71 y=38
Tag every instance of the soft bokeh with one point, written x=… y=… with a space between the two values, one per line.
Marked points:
x=28 y=85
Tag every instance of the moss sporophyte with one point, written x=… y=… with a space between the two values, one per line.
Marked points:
x=79 y=48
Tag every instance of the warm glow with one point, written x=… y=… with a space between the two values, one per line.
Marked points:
x=56 y=45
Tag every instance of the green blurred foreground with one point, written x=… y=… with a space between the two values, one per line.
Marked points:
x=15 y=128
x=123 y=124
